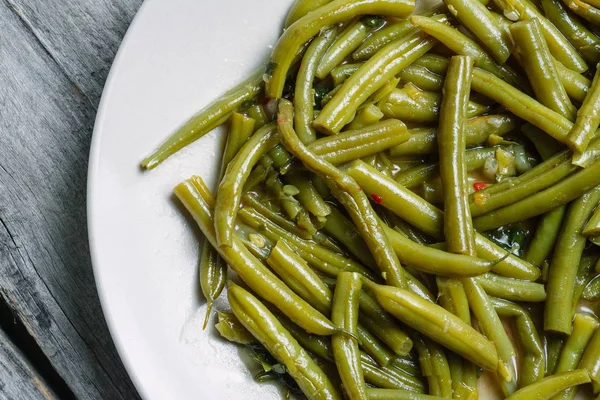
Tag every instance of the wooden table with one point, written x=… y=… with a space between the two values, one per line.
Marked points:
x=54 y=58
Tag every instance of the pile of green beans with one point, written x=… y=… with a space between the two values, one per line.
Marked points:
x=406 y=200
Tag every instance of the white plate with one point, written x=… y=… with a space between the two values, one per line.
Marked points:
x=177 y=56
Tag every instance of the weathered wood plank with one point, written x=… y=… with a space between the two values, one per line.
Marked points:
x=18 y=379
x=45 y=271
x=81 y=35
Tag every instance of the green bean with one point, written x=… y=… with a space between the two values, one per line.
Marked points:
x=344 y=314
x=438 y=324
x=481 y=23
x=300 y=32
x=407 y=364
x=355 y=144
x=533 y=360
x=544 y=144
x=511 y=289
x=265 y=327
x=374 y=347
x=291 y=207
x=380 y=38
x=561 y=49
x=584 y=326
x=349 y=193
x=591 y=360
x=320 y=258
x=344 y=231
x=580 y=37
x=575 y=84
x=397 y=394
x=389 y=378
x=462 y=45
x=346 y=42
x=302 y=7
x=561 y=193
x=585 y=273
x=369 y=78
x=423 y=141
x=521 y=104
x=425 y=361
x=550 y=386
x=429 y=219
x=282 y=160
x=304 y=92
x=231 y=186
x=232 y=329
x=433 y=62
x=584 y=10
x=563 y=269
x=209 y=118
x=213 y=275
x=341 y=73
x=588 y=118
x=257 y=113
x=592 y=290
x=592 y=228
x=308 y=195
x=422 y=77
x=251 y=270
x=458 y=226
x=240 y=130
x=366 y=115
x=492 y=327
x=539 y=66
x=554 y=344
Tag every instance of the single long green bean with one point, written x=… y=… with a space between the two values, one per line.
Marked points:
x=476 y=17
x=349 y=193
x=355 y=144
x=575 y=84
x=304 y=92
x=584 y=10
x=280 y=343
x=424 y=140
x=369 y=78
x=563 y=269
x=545 y=236
x=213 y=275
x=511 y=289
x=380 y=38
x=422 y=78
x=458 y=225
x=561 y=193
x=550 y=386
x=591 y=360
x=214 y=115
x=561 y=49
x=231 y=186
x=571 y=27
x=433 y=62
x=300 y=32
x=584 y=326
x=344 y=314
x=588 y=118
x=539 y=67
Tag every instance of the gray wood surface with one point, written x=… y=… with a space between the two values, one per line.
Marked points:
x=54 y=58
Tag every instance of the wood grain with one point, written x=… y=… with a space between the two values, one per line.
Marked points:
x=45 y=131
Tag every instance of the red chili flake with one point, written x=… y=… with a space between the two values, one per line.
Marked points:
x=479 y=186
x=281 y=120
x=377 y=198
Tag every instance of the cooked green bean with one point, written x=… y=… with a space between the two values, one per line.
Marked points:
x=232 y=329
x=563 y=269
x=355 y=144
x=302 y=7
x=561 y=193
x=410 y=104
x=575 y=84
x=591 y=360
x=290 y=205
x=300 y=32
x=571 y=27
x=584 y=326
x=397 y=394
x=257 y=113
x=440 y=367
x=374 y=347
x=521 y=104
x=304 y=92
x=539 y=67
x=438 y=324
x=347 y=41
x=533 y=360
x=389 y=378
x=308 y=195
x=344 y=231
x=584 y=10
x=585 y=273
x=214 y=115
x=422 y=78
x=344 y=315
x=491 y=325
x=511 y=289
x=463 y=45
x=240 y=130
x=349 y=193
x=458 y=225
x=548 y=387
x=341 y=73
x=424 y=140
x=213 y=275
x=592 y=228
x=433 y=62
x=561 y=49
x=588 y=118
x=425 y=361
x=554 y=344
x=231 y=186
x=369 y=78
x=429 y=219
x=592 y=290
x=280 y=343
x=366 y=115
x=481 y=23
x=380 y=38
x=251 y=270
